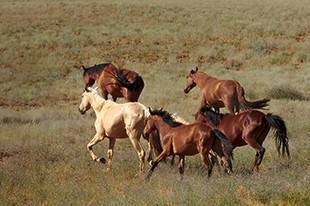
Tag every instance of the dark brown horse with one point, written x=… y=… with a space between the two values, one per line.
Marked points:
x=118 y=82
x=248 y=128
x=221 y=93
x=187 y=140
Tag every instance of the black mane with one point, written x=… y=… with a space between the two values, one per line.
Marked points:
x=166 y=116
x=97 y=68
x=212 y=115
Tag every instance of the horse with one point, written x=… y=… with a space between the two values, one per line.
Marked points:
x=118 y=82
x=221 y=93
x=187 y=140
x=155 y=142
x=248 y=128
x=115 y=121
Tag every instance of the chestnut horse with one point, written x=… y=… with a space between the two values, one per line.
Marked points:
x=187 y=140
x=221 y=93
x=115 y=121
x=118 y=82
x=248 y=128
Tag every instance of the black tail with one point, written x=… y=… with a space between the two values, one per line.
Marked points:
x=281 y=139
x=132 y=86
x=227 y=144
x=244 y=104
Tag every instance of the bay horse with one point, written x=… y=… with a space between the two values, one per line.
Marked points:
x=187 y=140
x=155 y=142
x=248 y=128
x=221 y=93
x=118 y=82
x=115 y=121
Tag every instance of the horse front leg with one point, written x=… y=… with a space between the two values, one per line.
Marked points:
x=110 y=152
x=181 y=165
x=97 y=138
x=135 y=140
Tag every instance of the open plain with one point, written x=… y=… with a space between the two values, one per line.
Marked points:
x=265 y=45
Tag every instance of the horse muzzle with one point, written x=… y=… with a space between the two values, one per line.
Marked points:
x=82 y=111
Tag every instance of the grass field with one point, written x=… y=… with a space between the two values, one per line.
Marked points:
x=265 y=45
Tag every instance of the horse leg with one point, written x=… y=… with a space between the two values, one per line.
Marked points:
x=97 y=138
x=110 y=152
x=249 y=138
x=172 y=160
x=206 y=160
x=114 y=98
x=181 y=165
x=160 y=157
x=204 y=149
x=135 y=140
x=150 y=154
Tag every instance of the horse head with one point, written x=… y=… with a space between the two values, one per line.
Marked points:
x=190 y=81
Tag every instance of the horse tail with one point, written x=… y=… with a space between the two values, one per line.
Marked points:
x=132 y=86
x=281 y=139
x=227 y=144
x=244 y=104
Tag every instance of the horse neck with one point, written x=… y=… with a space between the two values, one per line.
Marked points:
x=97 y=103
x=162 y=127
x=201 y=79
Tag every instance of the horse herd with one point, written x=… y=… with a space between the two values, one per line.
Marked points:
x=212 y=135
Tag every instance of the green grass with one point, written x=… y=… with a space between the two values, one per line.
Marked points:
x=43 y=158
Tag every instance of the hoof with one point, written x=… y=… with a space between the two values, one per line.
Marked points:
x=151 y=162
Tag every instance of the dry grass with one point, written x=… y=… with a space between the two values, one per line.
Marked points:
x=43 y=158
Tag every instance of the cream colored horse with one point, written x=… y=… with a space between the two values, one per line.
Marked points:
x=115 y=121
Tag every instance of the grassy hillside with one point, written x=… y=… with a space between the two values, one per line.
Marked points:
x=43 y=158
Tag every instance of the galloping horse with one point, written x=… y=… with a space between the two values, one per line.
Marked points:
x=115 y=121
x=155 y=142
x=221 y=93
x=187 y=140
x=118 y=82
x=249 y=127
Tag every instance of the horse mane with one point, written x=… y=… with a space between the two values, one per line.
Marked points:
x=133 y=86
x=95 y=69
x=166 y=116
x=212 y=115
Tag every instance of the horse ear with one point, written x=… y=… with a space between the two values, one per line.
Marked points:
x=84 y=68
x=88 y=89
x=196 y=69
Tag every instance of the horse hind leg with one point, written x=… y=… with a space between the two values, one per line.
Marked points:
x=250 y=138
x=110 y=152
x=181 y=165
x=204 y=149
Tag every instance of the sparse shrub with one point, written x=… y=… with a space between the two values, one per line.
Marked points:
x=286 y=92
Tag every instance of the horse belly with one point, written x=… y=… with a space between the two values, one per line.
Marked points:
x=116 y=131
x=187 y=150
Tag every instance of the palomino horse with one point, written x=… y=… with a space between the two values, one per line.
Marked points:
x=221 y=93
x=115 y=121
x=186 y=140
x=249 y=127
x=118 y=82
